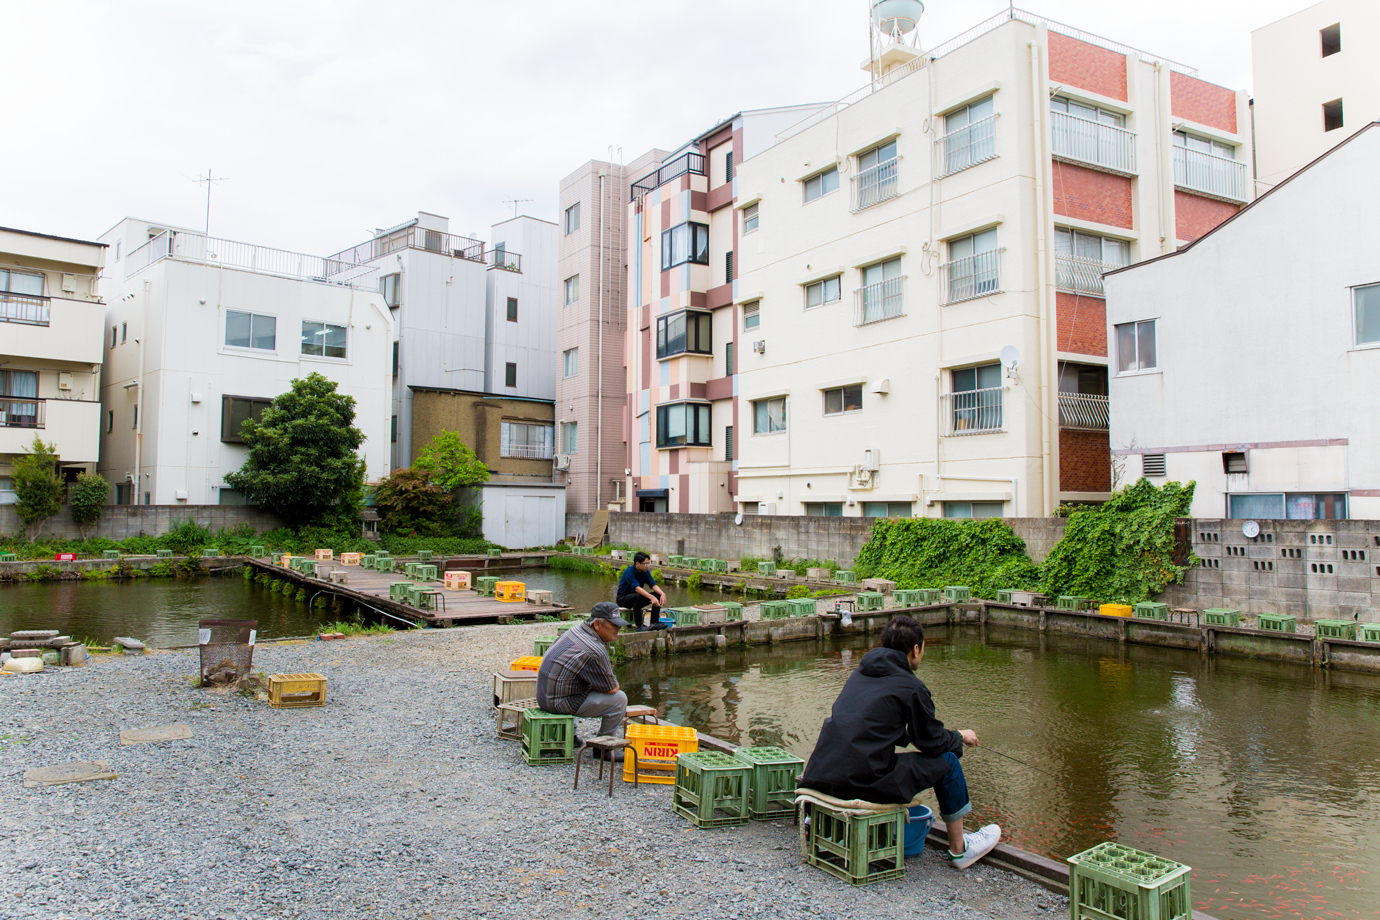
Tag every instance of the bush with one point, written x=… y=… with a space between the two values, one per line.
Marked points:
x=87 y=499
x=985 y=555
x=187 y=538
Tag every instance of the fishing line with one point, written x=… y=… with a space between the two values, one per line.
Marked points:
x=1024 y=764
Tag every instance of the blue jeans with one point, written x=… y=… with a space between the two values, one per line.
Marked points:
x=952 y=791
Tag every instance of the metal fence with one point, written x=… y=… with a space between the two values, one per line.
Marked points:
x=972 y=411
x=502 y=258
x=966 y=146
x=22 y=413
x=1084 y=411
x=1083 y=276
x=413 y=237
x=873 y=303
x=24 y=308
x=1221 y=177
x=875 y=185
x=187 y=246
x=692 y=163
x=1092 y=142
x=966 y=279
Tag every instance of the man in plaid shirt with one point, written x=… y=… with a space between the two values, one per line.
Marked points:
x=576 y=675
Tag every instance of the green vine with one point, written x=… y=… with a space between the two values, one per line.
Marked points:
x=985 y=555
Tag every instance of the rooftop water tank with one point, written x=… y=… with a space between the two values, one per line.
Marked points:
x=897 y=17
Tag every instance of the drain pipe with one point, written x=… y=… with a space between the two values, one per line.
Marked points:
x=1041 y=293
x=599 y=344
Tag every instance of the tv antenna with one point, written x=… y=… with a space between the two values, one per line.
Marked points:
x=207 y=180
x=517 y=201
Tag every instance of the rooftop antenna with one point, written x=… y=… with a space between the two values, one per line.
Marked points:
x=207 y=180
x=517 y=201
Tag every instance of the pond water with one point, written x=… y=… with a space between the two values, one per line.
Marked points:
x=165 y=611
x=1265 y=778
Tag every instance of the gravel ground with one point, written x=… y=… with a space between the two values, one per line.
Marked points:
x=393 y=800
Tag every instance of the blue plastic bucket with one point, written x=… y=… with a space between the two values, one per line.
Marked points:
x=918 y=821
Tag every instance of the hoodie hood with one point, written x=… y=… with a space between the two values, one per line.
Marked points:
x=885 y=662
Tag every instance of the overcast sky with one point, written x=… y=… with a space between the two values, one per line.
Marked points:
x=333 y=118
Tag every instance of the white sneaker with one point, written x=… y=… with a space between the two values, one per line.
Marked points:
x=976 y=845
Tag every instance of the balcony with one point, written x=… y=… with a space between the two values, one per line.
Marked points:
x=24 y=308
x=972 y=411
x=1105 y=147
x=1211 y=175
x=22 y=413
x=692 y=163
x=874 y=303
x=875 y=184
x=197 y=248
x=966 y=146
x=72 y=425
x=412 y=237
x=1081 y=276
x=502 y=259
x=1083 y=412
x=972 y=277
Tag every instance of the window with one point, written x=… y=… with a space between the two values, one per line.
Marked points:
x=124 y=332
x=822 y=184
x=117 y=250
x=390 y=286
x=109 y=421
x=728 y=442
x=751 y=507
x=1135 y=346
x=570 y=358
x=687 y=331
x=525 y=440
x=250 y=330
x=29 y=284
x=687 y=242
x=1368 y=314
x=876 y=178
x=973 y=266
x=234 y=412
x=749 y=219
x=512 y=309
x=1331 y=43
x=880 y=296
x=769 y=415
x=972 y=509
x=969 y=136
x=886 y=509
x=976 y=398
x=324 y=340
x=824 y=509
x=1087 y=112
x=572 y=218
x=19 y=402
x=728 y=166
x=826 y=291
x=395 y=359
x=1332 y=115
x=728 y=267
x=1204 y=145
x=114 y=335
x=134 y=424
x=393 y=430
x=228 y=496
x=510 y=374
x=570 y=437
x=1091 y=135
x=843 y=399
x=728 y=359
x=1081 y=258
x=572 y=289
x=683 y=425
x=1292 y=506
x=752 y=314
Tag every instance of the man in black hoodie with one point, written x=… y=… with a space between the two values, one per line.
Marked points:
x=884 y=706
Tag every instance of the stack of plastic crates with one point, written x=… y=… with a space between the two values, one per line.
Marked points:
x=771 y=784
x=711 y=789
x=1116 y=882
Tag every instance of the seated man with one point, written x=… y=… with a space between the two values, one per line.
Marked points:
x=884 y=706
x=576 y=676
x=637 y=591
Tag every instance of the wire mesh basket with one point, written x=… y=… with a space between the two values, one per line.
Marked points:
x=227 y=650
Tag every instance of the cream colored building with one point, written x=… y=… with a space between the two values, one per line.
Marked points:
x=51 y=321
x=1316 y=81
x=966 y=201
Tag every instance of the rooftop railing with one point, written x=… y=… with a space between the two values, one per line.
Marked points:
x=1209 y=174
x=692 y=163
x=1094 y=143
x=24 y=308
x=1084 y=411
x=502 y=258
x=190 y=246
x=413 y=237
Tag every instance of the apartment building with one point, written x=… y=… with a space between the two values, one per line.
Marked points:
x=1316 y=82
x=591 y=387
x=922 y=312
x=682 y=338
x=51 y=328
x=202 y=333
x=1263 y=351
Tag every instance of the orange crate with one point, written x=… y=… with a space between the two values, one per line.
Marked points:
x=325 y=555
x=349 y=558
x=457 y=580
x=288 y=691
x=657 y=748
x=1115 y=610
x=526 y=663
x=510 y=591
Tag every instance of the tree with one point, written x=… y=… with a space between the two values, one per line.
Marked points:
x=409 y=502
x=450 y=463
x=37 y=488
x=87 y=499
x=302 y=461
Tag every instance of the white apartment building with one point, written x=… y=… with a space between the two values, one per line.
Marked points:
x=521 y=309
x=202 y=333
x=1248 y=361
x=955 y=215
x=51 y=322
x=1316 y=81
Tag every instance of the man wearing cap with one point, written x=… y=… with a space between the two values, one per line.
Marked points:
x=576 y=675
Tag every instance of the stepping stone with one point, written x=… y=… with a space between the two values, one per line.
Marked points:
x=34 y=634
x=67 y=773
x=173 y=732
x=134 y=645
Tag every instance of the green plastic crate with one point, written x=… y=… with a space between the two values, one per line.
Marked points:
x=906 y=597
x=870 y=600
x=110 y=554
x=1276 y=622
x=1072 y=602
x=690 y=562
x=276 y=557
x=1150 y=610
x=1370 y=632
x=766 y=568
x=711 y=789
x=713 y=565
x=425 y=555
x=256 y=551
x=397 y=590
x=685 y=616
x=1004 y=596
x=771 y=784
x=484 y=585
x=1335 y=629
x=421 y=597
x=957 y=594
x=211 y=551
x=774 y=610
x=547 y=738
x=426 y=572
x=860 y=849
x=495 y=552
x=1116 y=882
x=164 y=553
x=541 y=643
x=845 y=577
x=675 y=560
x=1221 y=616
x=801 y=606
x=9 y=557
x=930 y=596
x=562 y=627
x=365 y=561
x=733 y=610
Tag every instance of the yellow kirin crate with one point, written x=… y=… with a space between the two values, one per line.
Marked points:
x=325 y=555
x=526 y=663
x=1115 y=610
x=457 y=580
x=657 y=748
x=288 y=691
x=349 y=558
x=510 y=591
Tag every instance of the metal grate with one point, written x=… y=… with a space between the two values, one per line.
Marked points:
x=1152 y=464
x=971 y=277
x=972 y=411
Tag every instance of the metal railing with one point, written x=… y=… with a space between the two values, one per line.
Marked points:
x=22 y=413
x=692 y=163
x=1084 y=411
x=966 y=146
x=24 y=308
x=189 y=246
x=883 y=300
x=972 y=411
x=1083 y=276
x=413 y=237
x=972 y=277
x=528 y=451
x=875 y=184
x=1092 y=142
x=1220 y=177
x=502 y=258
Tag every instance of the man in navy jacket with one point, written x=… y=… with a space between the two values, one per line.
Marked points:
x=638 y=591
x=884 y=706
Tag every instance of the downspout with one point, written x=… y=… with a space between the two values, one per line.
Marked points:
x=599 y=344
x=1041 y=292
x=139 y=401
x=1159 y=153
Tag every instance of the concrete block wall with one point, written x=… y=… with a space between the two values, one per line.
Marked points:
x=120 y=521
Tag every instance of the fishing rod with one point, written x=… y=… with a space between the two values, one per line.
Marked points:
x=1023 y=763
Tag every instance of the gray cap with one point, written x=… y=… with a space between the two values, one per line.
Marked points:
x=607 y=610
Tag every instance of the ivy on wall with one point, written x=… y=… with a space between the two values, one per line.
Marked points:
x=984 y=555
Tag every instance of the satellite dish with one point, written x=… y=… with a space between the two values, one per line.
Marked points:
x=1010 y=357
x=1250 y=530
x=739 y=519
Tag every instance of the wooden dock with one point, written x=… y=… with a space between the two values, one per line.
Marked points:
x=454 y=607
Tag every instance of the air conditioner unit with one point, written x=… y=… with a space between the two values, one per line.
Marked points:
x=563 y=461
x=760 y=346
x=766 y=508
x=872 y=459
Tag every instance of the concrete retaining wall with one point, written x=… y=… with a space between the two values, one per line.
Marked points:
x=120 y=521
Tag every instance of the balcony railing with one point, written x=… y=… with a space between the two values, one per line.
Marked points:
x=501 y=258
x=1083 y=411
x=24 y=308
x=873 y=303
x=966 y=146
x=413 y=237
x=1083 y=276
x=875 y=185
x=189 y=246
x=972 y=277
x=528 y=451
x=1209 y=174
x=1104 y=146
x=692 y=163
x=972 y=411
x=22 y=413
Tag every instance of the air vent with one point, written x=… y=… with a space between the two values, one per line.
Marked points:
x=1234 y=462
x=1152 y=464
